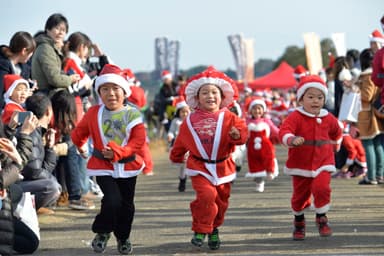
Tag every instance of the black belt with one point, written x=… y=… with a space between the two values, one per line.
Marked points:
x=210 y=161
x=318 y=142
x=97 y=153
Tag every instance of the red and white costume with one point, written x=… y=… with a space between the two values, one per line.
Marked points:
x=311 y=163
x=260 y=150
x=9 y=108
x=11 y=81
x=91 y=126
x=205 y=135
x=222 y=147
x=73 y=66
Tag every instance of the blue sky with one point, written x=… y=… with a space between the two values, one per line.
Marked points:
x=126 y=29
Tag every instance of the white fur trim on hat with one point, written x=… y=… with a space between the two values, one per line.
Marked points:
x=15 y=83
x=167 y=76
x=317 y=85
x=257 y=102
x=181 y=104
x=115 y=79
x=193 y=88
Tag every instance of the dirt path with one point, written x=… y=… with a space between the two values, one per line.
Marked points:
x=256 y=223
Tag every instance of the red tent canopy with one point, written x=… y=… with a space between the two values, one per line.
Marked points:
x=282 y=77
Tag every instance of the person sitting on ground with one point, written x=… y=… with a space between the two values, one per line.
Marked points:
x=38 y=177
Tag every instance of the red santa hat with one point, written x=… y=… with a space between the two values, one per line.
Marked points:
x=257 y=101
x=300 y=71
x=311 y=81
x=166 y=75
x=10 y=82
x=129 y=76
x=376 y=36
x=210 y=76
x=179 y=102
x=113 y=74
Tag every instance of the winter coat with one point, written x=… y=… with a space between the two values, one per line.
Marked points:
x=42 y=161
x=368 y=124
x=8 y=176
x=47 y=66
x=6 y=67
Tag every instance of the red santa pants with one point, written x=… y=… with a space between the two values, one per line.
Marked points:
x=211 y=203
x=318 y=187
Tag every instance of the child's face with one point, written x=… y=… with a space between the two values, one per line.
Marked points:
x=184 y=112
x=20 y=93
x=112 y=95
x=209 y=97
x=257 y=111
x=313 y=101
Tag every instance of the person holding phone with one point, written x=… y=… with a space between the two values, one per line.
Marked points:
x=16 y=93
x=38 y=177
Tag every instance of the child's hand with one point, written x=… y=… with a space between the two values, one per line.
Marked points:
x=83 y=150
x=297 y=141
x=234 y=133
x=107 y=153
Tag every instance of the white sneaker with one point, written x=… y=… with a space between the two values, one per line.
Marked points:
x=260 y=186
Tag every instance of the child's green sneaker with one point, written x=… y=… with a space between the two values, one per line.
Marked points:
x=99 y=243
x=198 y=239
x=124 y=246
x=214 y=240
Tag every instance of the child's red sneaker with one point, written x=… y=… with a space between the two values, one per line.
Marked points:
x=299 y=230
x=324 y=228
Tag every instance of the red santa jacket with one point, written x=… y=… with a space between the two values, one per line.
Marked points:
x=137 y=96
x=90 y=126
x=217 y=166
x=322 y=134
x=260 y=151
x=9 y=108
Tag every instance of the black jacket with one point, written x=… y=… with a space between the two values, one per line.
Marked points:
x=7 y=68
x=42 y=161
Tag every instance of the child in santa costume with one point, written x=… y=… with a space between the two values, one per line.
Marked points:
x=210 y=134
x=355 y=161
x=182 y=111
x=312 y=135
x=118 y=133
x=16 y=93
x=262 y=162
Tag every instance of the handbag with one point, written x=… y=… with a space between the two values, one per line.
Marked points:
x=26 y=212
x=350 y=106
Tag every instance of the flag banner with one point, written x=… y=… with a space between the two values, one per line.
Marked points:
x=161 y=55
x=236 y=43
x=338 y=40
x=249 y=60
x=173 y=57
x=313 y=53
